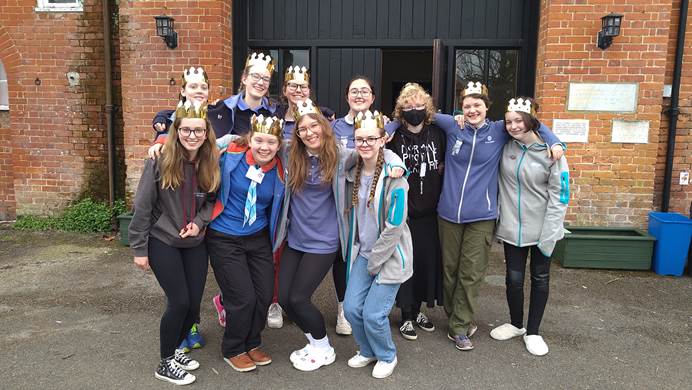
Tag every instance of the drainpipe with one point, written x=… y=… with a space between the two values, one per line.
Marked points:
x=109 y=99
x=674 y=109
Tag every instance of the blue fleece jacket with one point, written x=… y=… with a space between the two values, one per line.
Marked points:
x=470 y=185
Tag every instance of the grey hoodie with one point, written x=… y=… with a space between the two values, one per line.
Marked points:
x=391 y=258
x=534 y=192
x=161 y=213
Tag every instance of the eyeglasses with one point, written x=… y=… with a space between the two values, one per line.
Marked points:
x=370 y=141
x=304 y=129
x=257 y=77
x=413 y=108
x=362 y=92
x=186 y=131
x=294 y=87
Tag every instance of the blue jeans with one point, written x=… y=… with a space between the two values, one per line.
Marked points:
x=366 y=306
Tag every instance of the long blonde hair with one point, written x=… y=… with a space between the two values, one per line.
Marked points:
x=409 y=93
x=298 y=163
x=207 y=161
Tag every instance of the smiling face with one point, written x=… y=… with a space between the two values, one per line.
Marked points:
x=519 y=126
x=359 y=96
x=310 y=132
x=196 y=91
x=296 y=91
x=264 y=147
x=474 y=109
x=191 y=133
x=369 y=142
x=256 y=82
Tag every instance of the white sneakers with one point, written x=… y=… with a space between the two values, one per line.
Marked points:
x=275 y=318
x=381 y=370
x=506 y=332
x=311 y=358
x=358 y=360
x=535 y=345
x=342 y=325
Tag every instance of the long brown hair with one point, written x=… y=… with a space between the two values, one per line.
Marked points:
x=207 y=161
x=298 y=163
x=375 y=177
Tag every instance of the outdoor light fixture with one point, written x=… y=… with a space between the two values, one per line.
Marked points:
x=165 y=29
x=610 y=27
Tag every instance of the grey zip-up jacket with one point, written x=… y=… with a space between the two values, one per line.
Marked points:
x=160 y=213
x=391 y=258
x=342 y=196
x=534 y=192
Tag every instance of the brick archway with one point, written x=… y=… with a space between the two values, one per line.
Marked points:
x=11 y=60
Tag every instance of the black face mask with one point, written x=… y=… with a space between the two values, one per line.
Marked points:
x=414 y=117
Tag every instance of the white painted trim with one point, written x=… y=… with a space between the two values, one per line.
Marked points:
x=45 y=6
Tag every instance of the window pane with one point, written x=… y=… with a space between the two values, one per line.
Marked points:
x=4 y=93
x=497 y=69
x=63 y=2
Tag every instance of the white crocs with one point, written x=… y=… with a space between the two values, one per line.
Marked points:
x=315 y=358
x=506 y=332
x=297 y=354
x=536 y=345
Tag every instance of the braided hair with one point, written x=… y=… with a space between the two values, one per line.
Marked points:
x=373 y=185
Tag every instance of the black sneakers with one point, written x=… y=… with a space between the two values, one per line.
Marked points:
x=424 y=323
x=407 y=330
x=168 y=370
x=184 y=361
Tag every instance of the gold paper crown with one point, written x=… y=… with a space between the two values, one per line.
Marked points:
x=191 y=109
x=368 y=120
x=475 y=88
x=305 y=107
x=195 y=75
x=295 y=73
x=521 y=105
x=267 y=125
x=260 y=59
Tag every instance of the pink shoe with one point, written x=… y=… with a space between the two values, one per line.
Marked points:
x=219 y=310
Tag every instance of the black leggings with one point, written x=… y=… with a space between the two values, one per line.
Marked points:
x=299 y=276
x=182 y=273
x=339 y=276
x=540 y=283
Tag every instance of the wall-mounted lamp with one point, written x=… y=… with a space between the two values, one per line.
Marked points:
x=610 y=27
x=165 y=29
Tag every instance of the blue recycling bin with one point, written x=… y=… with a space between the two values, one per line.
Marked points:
x=673 y=232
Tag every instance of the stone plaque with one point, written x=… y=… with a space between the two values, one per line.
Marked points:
x=571 y=130
x=630 y=132
x=604 y=97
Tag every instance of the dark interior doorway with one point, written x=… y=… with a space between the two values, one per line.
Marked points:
x=400 y=66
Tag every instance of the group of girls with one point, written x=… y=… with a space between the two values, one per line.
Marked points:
x=257 y=188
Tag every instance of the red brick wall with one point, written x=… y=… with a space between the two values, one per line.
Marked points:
x=56 y=137
x=680 y=196
x=612 y=184
x=11 y=60
x=147 y=64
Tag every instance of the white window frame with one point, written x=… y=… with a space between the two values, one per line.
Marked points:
x=3 y=83
x=47 y=6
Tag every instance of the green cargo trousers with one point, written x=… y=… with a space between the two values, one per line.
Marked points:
x=465 y=249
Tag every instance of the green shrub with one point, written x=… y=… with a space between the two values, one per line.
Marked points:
x=30 y=222
x=85 y=216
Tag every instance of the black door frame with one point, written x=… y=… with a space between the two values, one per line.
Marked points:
x=527 y=49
